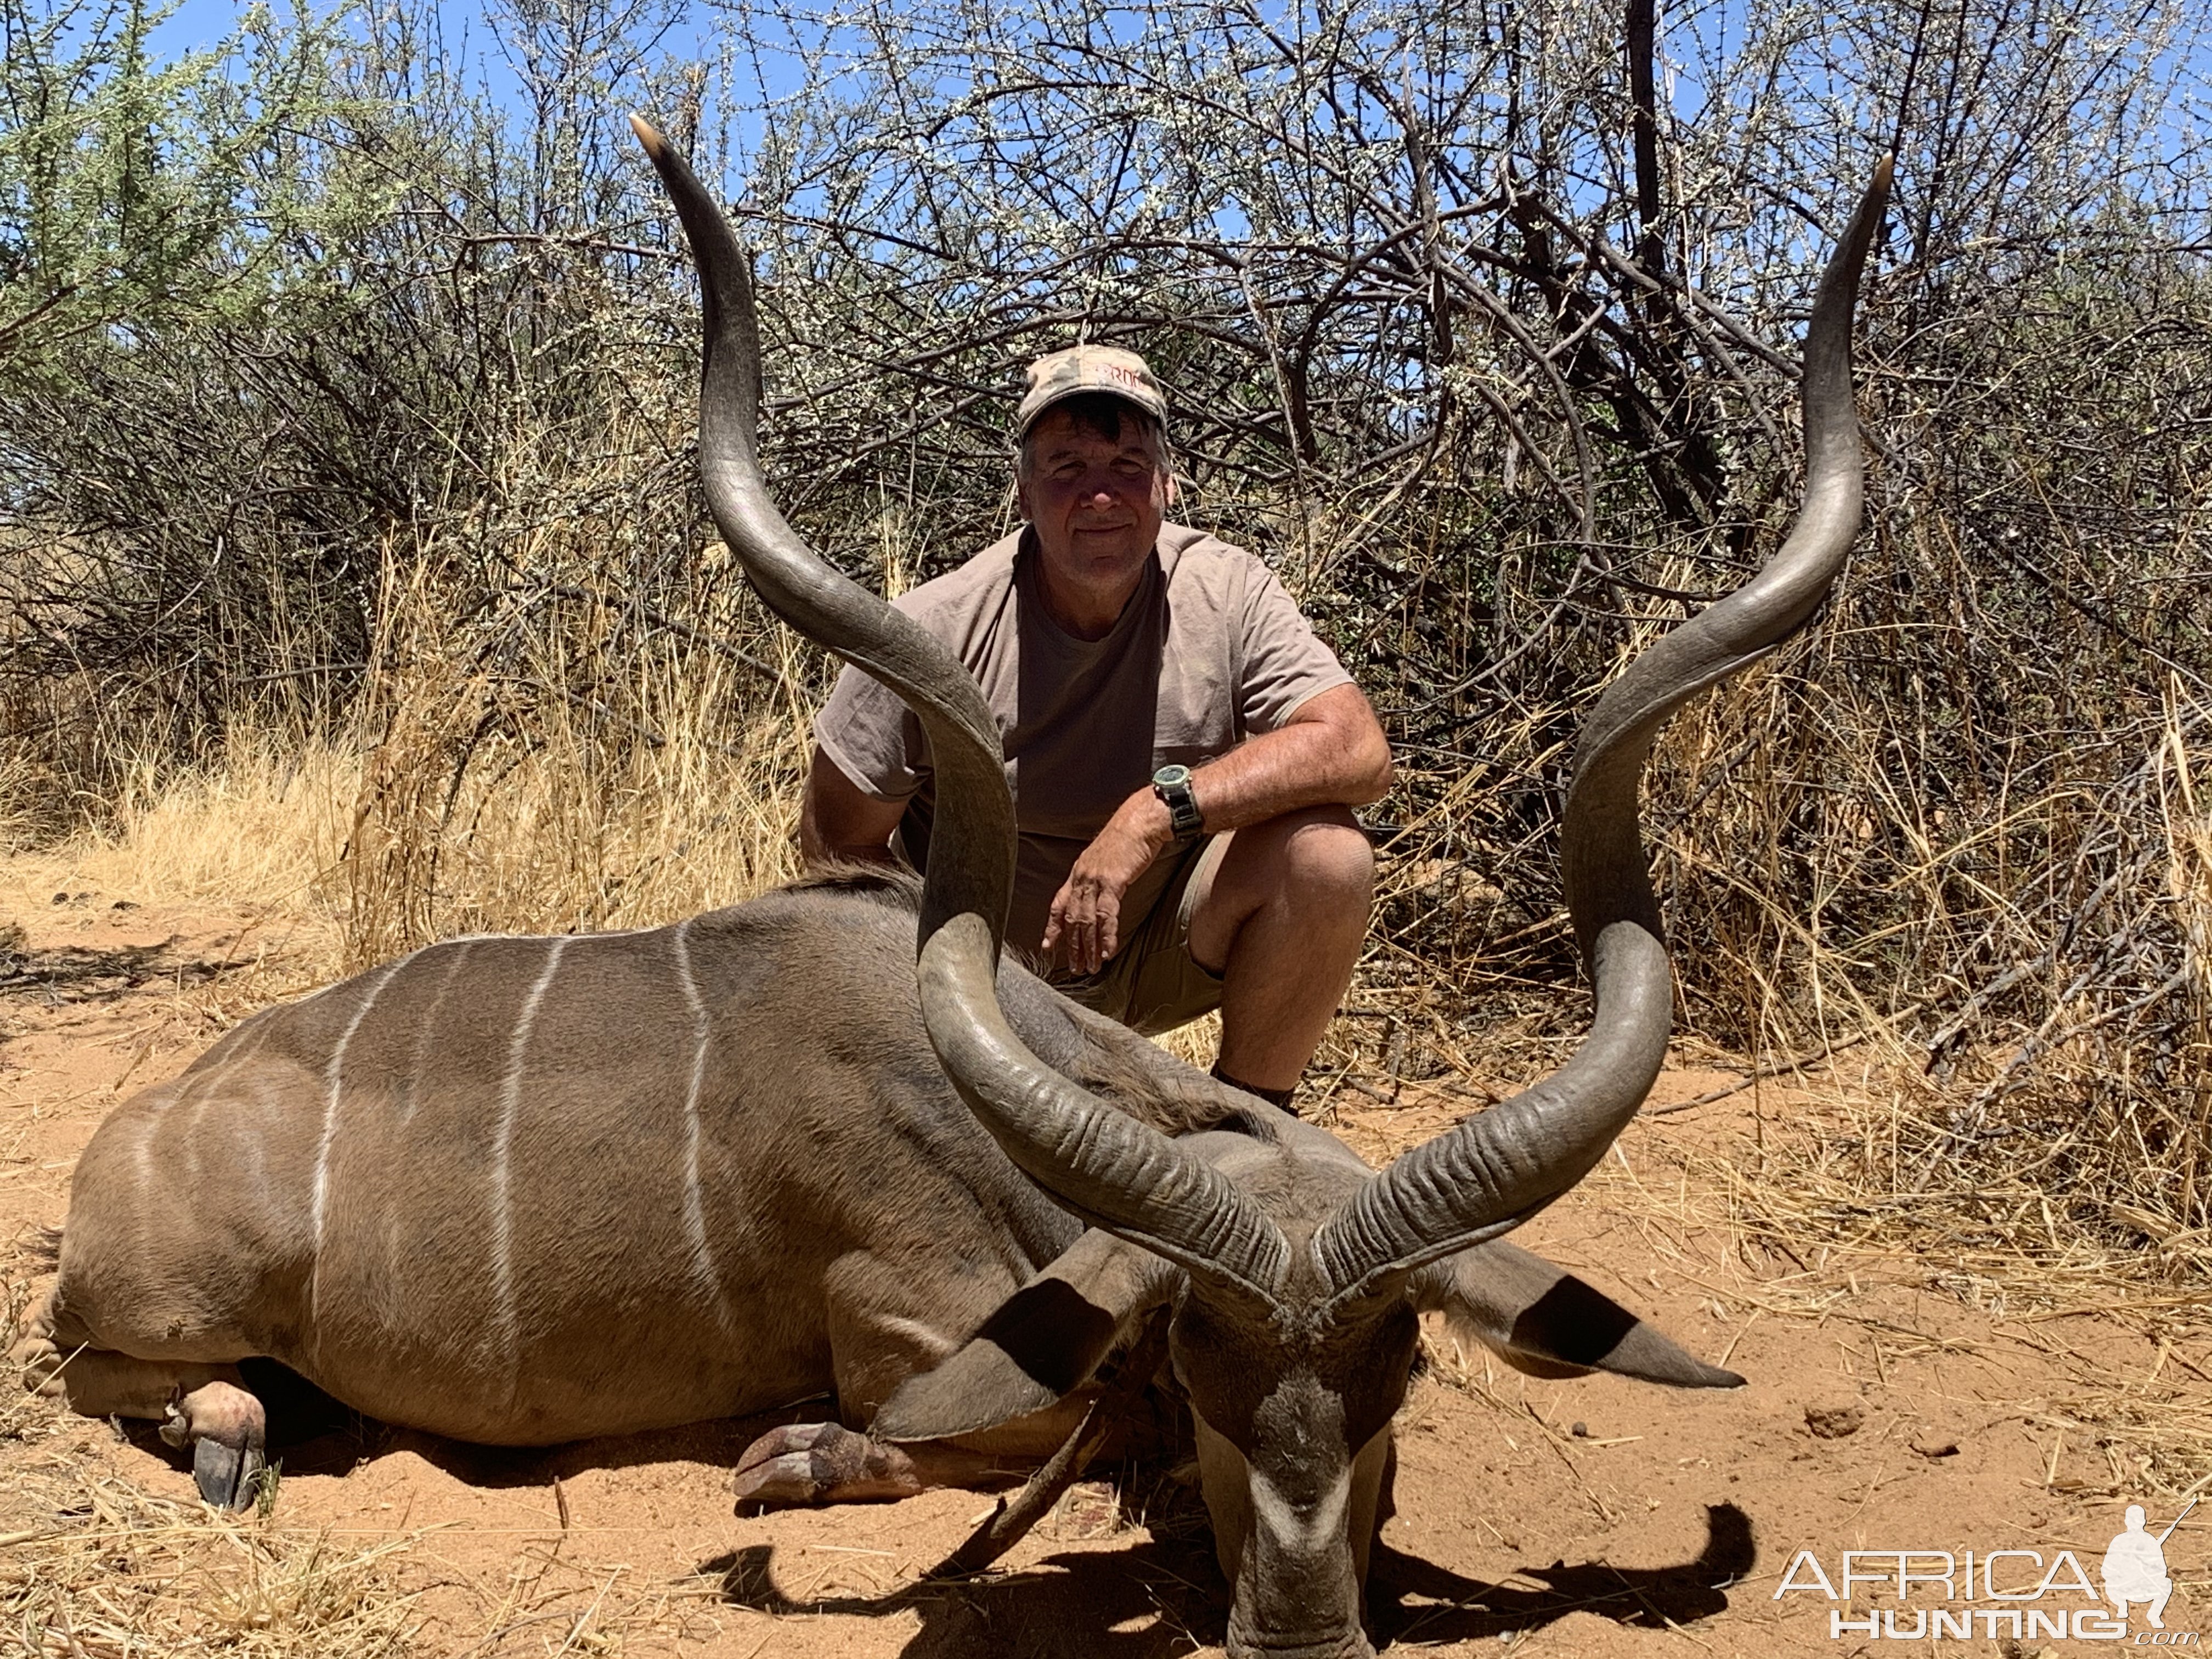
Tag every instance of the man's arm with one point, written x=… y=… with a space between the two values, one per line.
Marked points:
x=1331 y=752
x=837 y=821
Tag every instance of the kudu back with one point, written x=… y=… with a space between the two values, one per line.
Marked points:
x=527 y=1190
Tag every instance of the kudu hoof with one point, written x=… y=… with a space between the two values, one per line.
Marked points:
x=39 y=1363
x=820 y=1463
x=227 y=1430
x=228 y=1477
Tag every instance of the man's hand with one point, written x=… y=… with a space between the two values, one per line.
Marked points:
x=1086 y=923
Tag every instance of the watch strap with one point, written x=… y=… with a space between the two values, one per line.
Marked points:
x=1182 y=802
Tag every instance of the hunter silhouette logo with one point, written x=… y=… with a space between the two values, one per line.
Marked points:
x=2135 y=1567
x=2014 y=1594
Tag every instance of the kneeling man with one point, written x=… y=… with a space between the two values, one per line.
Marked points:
x=1184 y=753
x=2135 y=1569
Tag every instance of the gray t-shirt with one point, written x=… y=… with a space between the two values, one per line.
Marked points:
x=1209 y=651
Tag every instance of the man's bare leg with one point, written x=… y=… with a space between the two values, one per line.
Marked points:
x=1282 y=921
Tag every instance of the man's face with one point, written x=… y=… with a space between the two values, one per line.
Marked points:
x=1097 y=503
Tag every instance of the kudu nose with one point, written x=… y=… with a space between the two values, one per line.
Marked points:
x=1352 y=1644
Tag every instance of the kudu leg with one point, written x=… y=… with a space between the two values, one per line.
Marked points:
x=229 y=1433
x=887 y=1322
x=822 y=1464
x=205 y=1407
x=829 y=1463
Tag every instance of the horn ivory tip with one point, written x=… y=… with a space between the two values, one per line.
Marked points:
x=648 y=134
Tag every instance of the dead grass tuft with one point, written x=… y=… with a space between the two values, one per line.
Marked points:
x=259 y=828
x=485 y=806
x=109 y=1569
x=93 y=1566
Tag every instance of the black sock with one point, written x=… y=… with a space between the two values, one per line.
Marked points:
x=1274 y=1096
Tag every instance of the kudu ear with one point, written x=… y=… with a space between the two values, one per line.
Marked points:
x=1541 y=1319
x=1042 y=1343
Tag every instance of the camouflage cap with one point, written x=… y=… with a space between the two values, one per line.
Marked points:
x=1060 y=376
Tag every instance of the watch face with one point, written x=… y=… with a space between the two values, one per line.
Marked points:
x=1168 y=777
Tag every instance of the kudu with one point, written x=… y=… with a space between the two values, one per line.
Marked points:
x=528 y=1190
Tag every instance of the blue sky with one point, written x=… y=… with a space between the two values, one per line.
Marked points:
x=1721 y=23
x=197 y=24
x=204 y=22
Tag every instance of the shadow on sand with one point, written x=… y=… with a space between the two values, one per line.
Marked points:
x=79 y=973
x=1153 y=1598
x=1082 y=1603
x=312 y=1433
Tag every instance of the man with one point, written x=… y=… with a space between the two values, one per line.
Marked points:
x=2135 y=1569
x=1184 y=753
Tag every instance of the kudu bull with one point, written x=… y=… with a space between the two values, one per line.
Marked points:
x=528 y=1190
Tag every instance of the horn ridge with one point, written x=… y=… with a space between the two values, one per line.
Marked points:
x=1496 y=1169
x=1099 y=1162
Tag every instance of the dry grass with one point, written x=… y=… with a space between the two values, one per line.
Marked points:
x=455 y=803
x=91 y=1566
x=109 y=1569
x=1197 y=1042
x=94 y=1566
x=261 y=827
x=476 y=812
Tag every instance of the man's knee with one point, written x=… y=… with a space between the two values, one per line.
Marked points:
x=1312 y=868
x=1326 y=855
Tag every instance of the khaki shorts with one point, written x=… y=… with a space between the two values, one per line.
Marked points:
x=1152 y=984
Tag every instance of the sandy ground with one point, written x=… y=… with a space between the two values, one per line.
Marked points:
x=1588 y=1517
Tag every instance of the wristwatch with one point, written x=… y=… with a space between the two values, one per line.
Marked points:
x=1172 y=785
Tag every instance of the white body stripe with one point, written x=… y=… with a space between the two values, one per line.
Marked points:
x=199 y=1091
x=510 y=1102
x=928 y=1338
x=412 y=1083
x=703 y=1266
x=319 y=1197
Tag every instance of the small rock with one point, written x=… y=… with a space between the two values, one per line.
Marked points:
x=61 y=899
x=123 y=904
x=1833 y=1422
x=1581 y=1430
x=1936 y=1448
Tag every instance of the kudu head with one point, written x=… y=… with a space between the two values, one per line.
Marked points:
x=1295 y=1275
